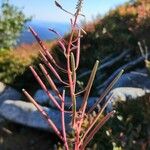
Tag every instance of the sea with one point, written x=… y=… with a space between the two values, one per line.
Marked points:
x=41 y=27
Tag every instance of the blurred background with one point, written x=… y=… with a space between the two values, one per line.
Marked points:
x=45 y=15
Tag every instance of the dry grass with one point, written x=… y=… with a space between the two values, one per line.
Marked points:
x=25 y=51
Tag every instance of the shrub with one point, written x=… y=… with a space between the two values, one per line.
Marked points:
x=128 y=129
x=12 y=22
x=11 y=66
x=118 y=30
x=132 y=130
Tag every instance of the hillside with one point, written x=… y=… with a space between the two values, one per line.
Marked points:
x=107 y=37
x=118 y=30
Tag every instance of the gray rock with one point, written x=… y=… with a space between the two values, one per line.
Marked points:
x=42 y=98
x=26 y=114
x=7 y=92
x=124 y=94
x=138 y=79
x=79 y=100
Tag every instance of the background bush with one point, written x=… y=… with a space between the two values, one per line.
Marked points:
x=129 y=129
x=117 y=31
x=12 y=22
x=120 y=29
x=11 y=66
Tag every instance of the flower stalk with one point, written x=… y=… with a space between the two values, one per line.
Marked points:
x=71 y=51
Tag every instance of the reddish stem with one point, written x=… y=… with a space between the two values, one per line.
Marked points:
x=50 y=81
x=52 y=68
x=63 y=122
x=44 y=88
x=44 y=114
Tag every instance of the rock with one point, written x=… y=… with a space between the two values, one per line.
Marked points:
x=138 y=79
x=26 y=114
x=42 y=98
x=124 y=94
x=1 y=120
x=90 y=103
x=7 y=92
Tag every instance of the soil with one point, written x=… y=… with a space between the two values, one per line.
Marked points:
x=18 y=137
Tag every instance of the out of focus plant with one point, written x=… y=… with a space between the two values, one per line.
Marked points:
x=144 y=52
x=12 y=22
x=130 y=127
x=11 y=66
x=118 y=30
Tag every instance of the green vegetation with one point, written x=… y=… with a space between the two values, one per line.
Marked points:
x=118 y=30
x=11 y=66
x=12 y=22
x=129 y=129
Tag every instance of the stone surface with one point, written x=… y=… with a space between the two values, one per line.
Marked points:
x=124 y=94
x=26 y=114
x=42 y=98
x=90 y=103
x=7 y=92
x=138 y=79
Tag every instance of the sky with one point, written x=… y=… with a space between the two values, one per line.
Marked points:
x=45 y=10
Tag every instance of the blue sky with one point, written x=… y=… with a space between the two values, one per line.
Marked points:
x=46 y=10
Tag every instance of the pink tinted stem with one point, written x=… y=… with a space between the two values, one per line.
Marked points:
x=44 y=114
x=50 y=81
x=63 y=122
x=44 y=47
x=38 y=39
x=44 y=88
x=96 y=119
x=52 y=68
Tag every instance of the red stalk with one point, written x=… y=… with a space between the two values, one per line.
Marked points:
x=63 y=122
x=50 y=81
x=52 y=68
x=37 y=38
x=44 y=114
x=44 y=48
x=68 y=69
x=44 y=88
